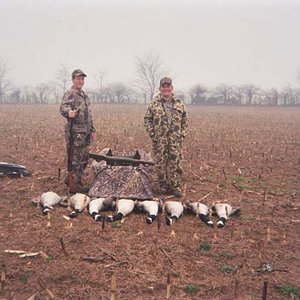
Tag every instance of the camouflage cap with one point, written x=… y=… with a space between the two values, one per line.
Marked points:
x=165 y=80
x=78 y=72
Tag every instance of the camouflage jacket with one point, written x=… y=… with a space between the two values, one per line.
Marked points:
x=156 y=120
x=78 y=100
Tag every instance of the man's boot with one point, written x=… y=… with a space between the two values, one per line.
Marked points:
x=163 y=188
x=176 y=192
x=67 y=179
x=82 y=188
x=71 y=183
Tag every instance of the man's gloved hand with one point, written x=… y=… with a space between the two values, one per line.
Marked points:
x=72 y=113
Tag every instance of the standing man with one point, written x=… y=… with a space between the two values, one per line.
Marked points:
x=166 y=123
x=79 y=131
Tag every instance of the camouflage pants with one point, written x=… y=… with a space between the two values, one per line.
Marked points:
x=79 y=152
x=80 y=157
x=168 y=157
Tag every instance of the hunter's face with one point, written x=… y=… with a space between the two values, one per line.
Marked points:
x=78 y=82
x=166 y=90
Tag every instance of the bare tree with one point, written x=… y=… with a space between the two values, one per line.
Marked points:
x=289 y=95
x=149 y=70
x=238 y=94
x=298 y=76
x=272 y=96
x=250 y=90
x=120 y=91
x=108 y=95
x=42 y=93
x=225 y=92
x=55 y=93
x=26 y=94
x=99 y=78
x=180 y=94
x=15 y=96
x=198 y=94
x=63 y=77
x=4 y=81
x=128 y=93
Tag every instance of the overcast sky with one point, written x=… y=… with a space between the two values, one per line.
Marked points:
x=209 y=42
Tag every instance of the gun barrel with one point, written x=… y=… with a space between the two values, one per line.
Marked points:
x=119 y=160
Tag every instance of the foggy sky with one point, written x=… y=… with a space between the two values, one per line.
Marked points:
x=207 y=42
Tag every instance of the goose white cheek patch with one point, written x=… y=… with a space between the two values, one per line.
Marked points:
x=171 y=220
x=74 y=213
x=221 y=222
x=45 y=210
x=150 y=219
x=96 y=216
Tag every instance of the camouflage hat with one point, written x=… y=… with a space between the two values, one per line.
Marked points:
x=165 y=80
x=78 y=72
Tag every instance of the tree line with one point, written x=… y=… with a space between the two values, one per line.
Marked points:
x=148 y=71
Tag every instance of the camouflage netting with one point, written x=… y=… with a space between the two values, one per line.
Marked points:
x=122 y=181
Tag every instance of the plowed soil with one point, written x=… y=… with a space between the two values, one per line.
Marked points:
x=246 y=156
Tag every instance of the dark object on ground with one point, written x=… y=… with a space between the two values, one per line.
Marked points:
x=13 y=170
x=270 y=268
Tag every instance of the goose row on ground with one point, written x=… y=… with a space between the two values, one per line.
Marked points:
x=123 y=207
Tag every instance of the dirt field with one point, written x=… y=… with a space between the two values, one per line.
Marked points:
x=237 y=153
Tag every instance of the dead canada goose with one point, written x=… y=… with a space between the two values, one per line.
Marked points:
x=47 y=201
x=97 y=205
x=224 y=211
x=150 y=207
x=123 y=208
x=174 y=209
x=78 y=202
x=201 y=210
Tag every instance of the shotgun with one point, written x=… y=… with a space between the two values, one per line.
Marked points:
x=120 y=160
x=72 y=177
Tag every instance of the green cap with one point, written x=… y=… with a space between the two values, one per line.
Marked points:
x=78 y=72
x=165 y=80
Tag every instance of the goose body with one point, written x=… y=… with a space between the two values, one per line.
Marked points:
x=224 y=211
x=97 y=205
x=150 y=207
x=123 y=208
x=48 y=200
x=201 y=210
x=174 y=210
x=78 y=202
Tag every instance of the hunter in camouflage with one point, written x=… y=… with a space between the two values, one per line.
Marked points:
x=166 y=124
x=76 y=106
